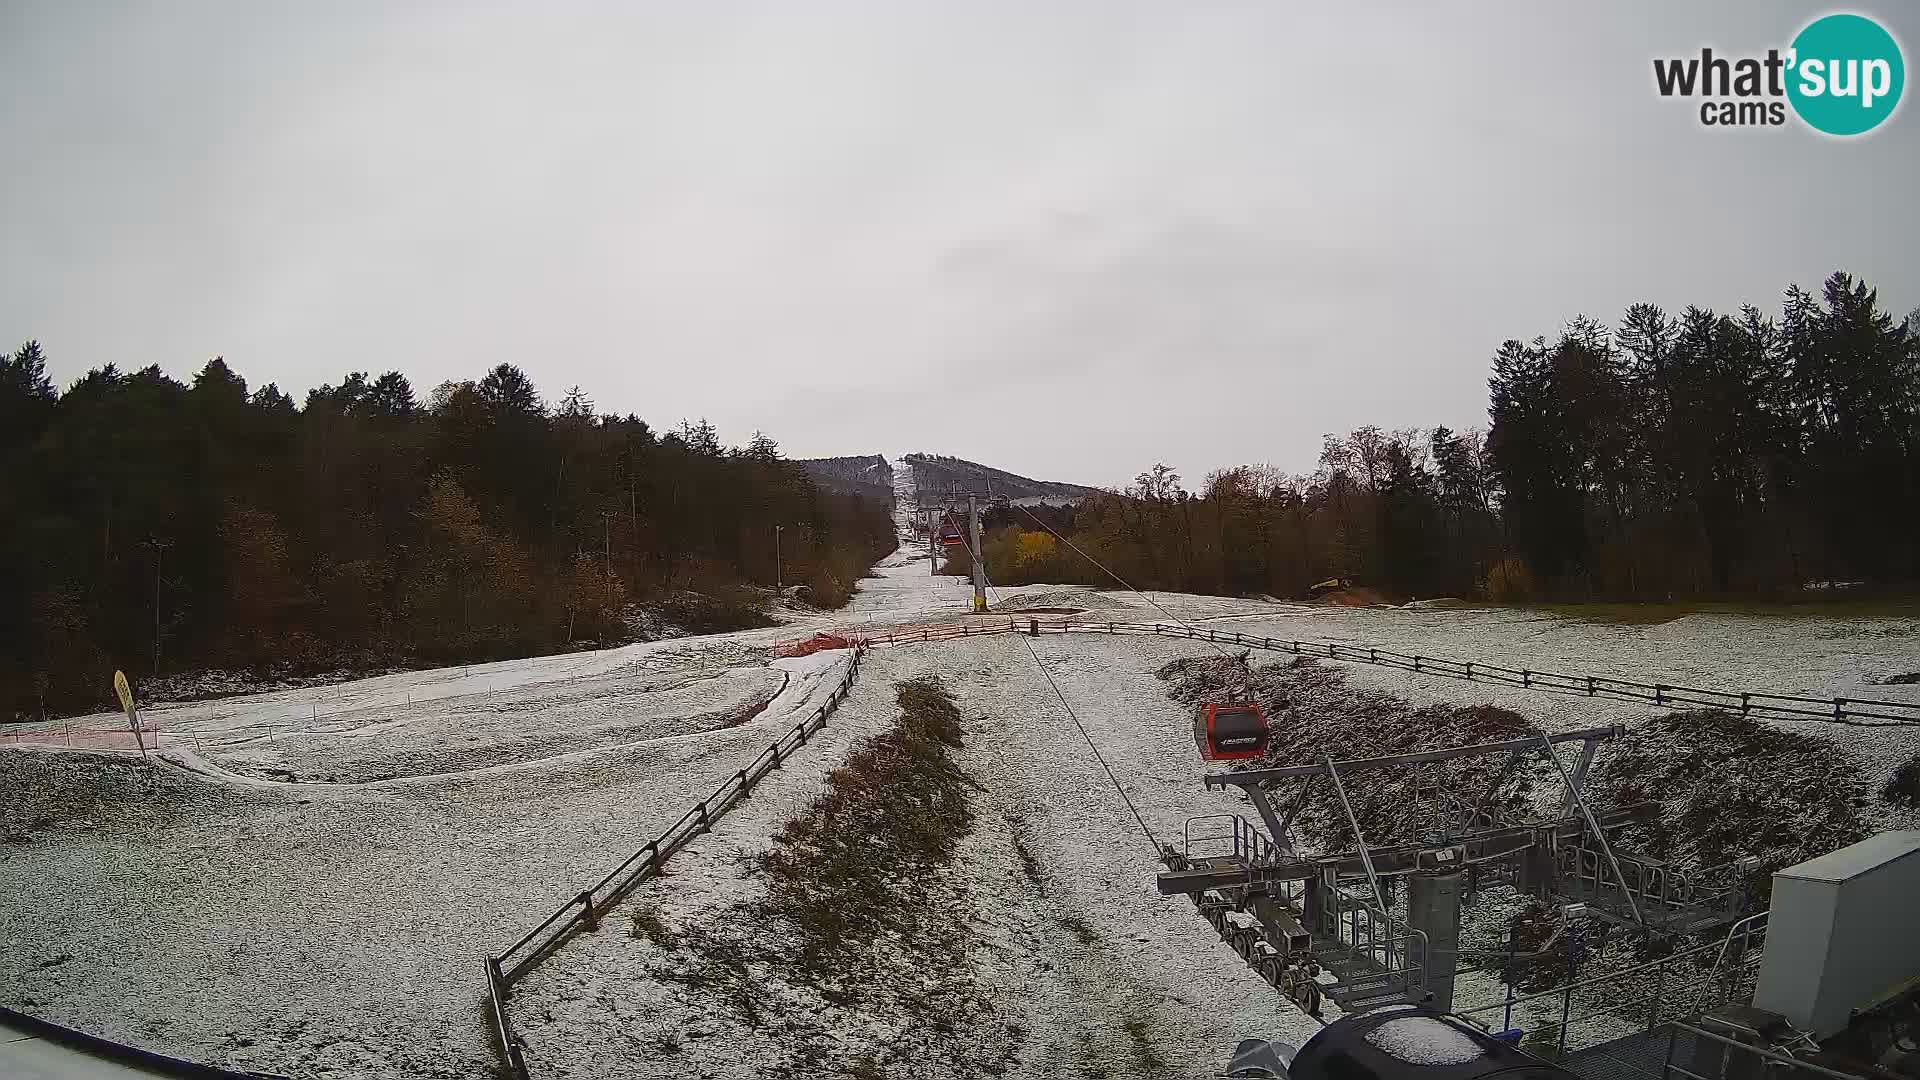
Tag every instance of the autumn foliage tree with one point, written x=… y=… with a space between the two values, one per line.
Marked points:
x=371 y=526
x=1690 y=455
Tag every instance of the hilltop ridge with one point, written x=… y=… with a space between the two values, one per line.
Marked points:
x=935 y=473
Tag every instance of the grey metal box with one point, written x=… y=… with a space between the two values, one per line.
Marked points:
x=1843 y=932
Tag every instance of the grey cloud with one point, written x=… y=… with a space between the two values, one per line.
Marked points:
x=1198 y=233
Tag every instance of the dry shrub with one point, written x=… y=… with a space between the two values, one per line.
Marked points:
x=1903 y=787
x=844 y=871
x=1509 y=581
x=858 y=919
x=1732 y=788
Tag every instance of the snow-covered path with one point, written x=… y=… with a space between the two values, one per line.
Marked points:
x=1093 y=970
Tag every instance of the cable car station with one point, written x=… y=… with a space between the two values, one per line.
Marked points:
x=1293 y=916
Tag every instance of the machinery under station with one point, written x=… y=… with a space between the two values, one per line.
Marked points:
x=1825 y=981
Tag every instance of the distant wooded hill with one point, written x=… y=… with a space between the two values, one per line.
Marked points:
x=868 y=476
x=935 y=473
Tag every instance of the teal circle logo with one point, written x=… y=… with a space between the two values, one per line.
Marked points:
x=1846 y=74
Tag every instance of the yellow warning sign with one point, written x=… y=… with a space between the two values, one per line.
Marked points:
x=125 y=692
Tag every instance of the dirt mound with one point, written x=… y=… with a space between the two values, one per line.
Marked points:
x=1733 y=788
x=812 y=645
x=1076 y=599
x=1356 y=596
x=1312 y=710
x=1730 y=788
x=1903 y=787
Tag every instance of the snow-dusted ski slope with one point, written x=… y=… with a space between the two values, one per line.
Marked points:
x=311 y=928
x=310 y=889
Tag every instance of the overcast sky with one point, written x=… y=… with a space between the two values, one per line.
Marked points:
x=1068 y=239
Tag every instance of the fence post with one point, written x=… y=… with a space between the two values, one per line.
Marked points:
x=1838 y=712
x=1746 y=702
x=1033 y=627
x=588 y=915
x=1589 y=686
x=706 y=823
x=1416 y=662
x=776 y=753
x=1526 y=679
x=1469 y=671
x=1659 y=984
x=1566 y=1007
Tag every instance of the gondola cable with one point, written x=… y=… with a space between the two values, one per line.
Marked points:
x=1224 y=731
x=1123 y=581
x=1207 y=740
x=1145 y=829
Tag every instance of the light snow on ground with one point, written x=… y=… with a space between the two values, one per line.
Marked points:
x=329 y=928
x=307 y=880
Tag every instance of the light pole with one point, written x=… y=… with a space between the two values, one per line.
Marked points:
x=159 y=551
x=776 y=556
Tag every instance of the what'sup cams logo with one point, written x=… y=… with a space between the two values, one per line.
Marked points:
x=1842 y=76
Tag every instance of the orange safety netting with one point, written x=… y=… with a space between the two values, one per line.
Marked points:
x=812 y=645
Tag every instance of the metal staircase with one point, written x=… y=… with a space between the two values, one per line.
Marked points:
x=1344 y=947
x=1375 y=959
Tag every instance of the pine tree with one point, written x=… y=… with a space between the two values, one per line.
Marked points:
x=508 y=392
x=391 y=396
x=26 y=395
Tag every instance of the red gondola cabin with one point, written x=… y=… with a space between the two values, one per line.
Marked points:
x=950 y=536
x=1230 y=732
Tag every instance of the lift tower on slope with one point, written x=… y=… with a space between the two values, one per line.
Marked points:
x=978 y=555
x=942 y=531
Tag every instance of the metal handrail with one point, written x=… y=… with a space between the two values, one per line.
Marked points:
x=709 y=808
x=1393 y=950
x=511 y=1050
x=1745 y=929
x=1187 y=839
x=1593 y=824
x=584 y=907
x=1610 y=976
x=1249 y=843
x=1379 y=908
x=1770 y=1055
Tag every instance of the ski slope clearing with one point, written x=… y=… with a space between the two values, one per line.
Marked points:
x=307 y=880
x=1083 y=968
x=324 y=928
